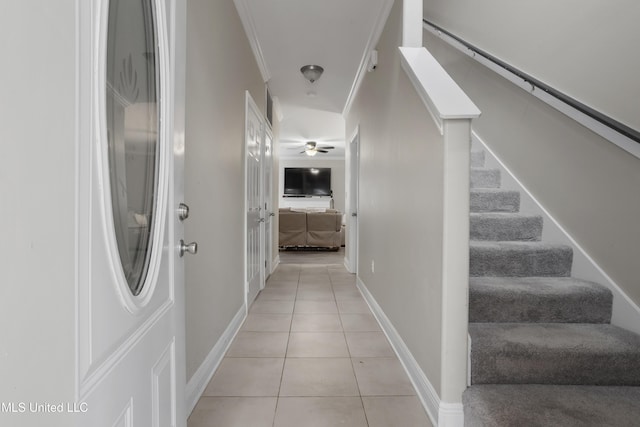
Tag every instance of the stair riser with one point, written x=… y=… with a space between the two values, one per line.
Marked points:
x=520 y=263
x=550 y=405
x=477 y=159
x=503 y=201
x=485 y=178
x=487 y=306
x=564 y=369
x=505 y=229
x=552 y=353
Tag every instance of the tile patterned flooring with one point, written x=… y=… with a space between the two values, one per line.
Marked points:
x=312 y=257
x=310 y=354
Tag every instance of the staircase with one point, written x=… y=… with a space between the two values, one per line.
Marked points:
x=543 y=352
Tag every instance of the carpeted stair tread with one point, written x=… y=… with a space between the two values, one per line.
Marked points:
x=542 y=350
x=477 y=159
x=494 y=200
x=534 y=405
x=519 y=259
x=538 y=299
x=505 y=226
x=554 y=353
x=484 y=178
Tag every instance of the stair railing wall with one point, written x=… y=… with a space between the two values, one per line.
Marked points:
x=578 y=176
x=616 y=132
x=452 y=111
x=625 y=313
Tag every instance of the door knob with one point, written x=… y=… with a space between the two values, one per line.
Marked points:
x=272 y=214
x=191 y=248
x=183 y=211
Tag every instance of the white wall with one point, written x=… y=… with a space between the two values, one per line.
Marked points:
x=585 y=48
x=400 y=202
x=588 y=184
x=337 y=176
x=38 y=208
x=220 y=67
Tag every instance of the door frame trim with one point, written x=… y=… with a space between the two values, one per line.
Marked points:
x=267 y=201
x=350 y=264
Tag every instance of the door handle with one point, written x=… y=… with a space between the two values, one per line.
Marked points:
x=191 y=248
x=354 y=214
x=261 y=220
x=183 y=211
x=272 y=214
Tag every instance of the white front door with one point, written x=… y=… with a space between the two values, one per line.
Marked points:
x=268 y=199
x=130 y=321
x=352 y=215
x=254 y=258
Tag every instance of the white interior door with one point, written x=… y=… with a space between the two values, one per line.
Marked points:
x=268 y=199
x=130 y=320
x=352 y=215
x=254 y=258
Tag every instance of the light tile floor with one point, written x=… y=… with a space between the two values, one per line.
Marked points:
x=310 y=354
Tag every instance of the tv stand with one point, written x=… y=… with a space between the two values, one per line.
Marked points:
x=306 y=202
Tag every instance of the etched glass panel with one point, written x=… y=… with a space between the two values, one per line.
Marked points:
x=132 y=132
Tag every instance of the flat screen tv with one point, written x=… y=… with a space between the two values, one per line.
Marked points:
x=307 y=182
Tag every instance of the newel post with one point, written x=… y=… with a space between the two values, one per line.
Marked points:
x=452 y=111
x=455 y=262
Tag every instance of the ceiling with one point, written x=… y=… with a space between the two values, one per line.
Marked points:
x=301 y=124
x=335 y=34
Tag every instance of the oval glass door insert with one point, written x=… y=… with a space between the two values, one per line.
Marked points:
x=132 y=132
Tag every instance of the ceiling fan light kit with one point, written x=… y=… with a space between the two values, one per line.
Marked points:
x=312 y=72
x=311 y=148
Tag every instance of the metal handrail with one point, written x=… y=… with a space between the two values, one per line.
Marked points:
x=617 y=126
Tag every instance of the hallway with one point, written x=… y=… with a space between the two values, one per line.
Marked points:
x=311 y=354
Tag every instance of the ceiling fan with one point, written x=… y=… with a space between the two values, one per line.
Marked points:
x=311 y=148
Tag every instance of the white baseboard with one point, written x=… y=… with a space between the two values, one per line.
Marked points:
x=440 y=413
x=626 y=313
x=450 y=415
x=275 y=264
x=347 y=265
x=199 y=380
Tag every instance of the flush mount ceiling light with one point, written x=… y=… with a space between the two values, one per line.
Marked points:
x=312 y=72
